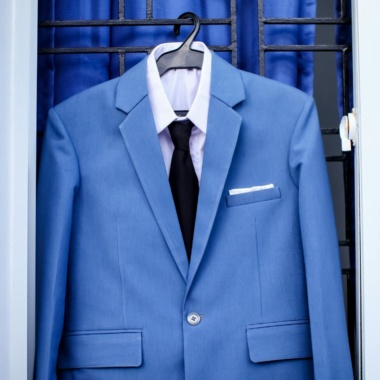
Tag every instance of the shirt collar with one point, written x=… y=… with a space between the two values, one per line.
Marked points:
x=163 y=113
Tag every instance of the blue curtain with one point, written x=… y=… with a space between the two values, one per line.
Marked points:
x=293 y=68
x=61 y=76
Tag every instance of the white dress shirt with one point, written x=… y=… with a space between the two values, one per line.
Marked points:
x=180 y=90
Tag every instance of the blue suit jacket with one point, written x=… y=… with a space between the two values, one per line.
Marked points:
x=114 y=285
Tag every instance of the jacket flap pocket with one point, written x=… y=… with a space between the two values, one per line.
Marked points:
x=253 y=197
x=279 y=341
x=103 y=349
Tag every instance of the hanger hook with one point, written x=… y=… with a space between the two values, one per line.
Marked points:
x=189 y=40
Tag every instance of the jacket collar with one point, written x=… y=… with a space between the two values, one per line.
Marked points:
x=226 y=84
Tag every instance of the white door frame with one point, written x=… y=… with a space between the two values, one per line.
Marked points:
x=18 y=41
x=366 y=30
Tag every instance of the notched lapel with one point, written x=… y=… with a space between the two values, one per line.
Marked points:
x=140 y=137
x=227 y=90
x=222 y=134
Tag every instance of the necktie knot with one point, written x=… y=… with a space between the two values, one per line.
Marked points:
x=180 y=132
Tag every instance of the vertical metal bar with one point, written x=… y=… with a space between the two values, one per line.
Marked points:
x=149 y=9
x=345 y=82
x=121 y=55
x=233 y=33
x=121 y=63
x=347 y=175
x=121 y=9
x=260 y=13
x=343 y=9
x=349 y=198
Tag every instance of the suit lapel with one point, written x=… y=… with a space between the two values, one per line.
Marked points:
x=222 y=134
x=140 y=137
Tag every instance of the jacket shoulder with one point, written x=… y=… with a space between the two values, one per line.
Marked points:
x=95 y=96
x=270 y=90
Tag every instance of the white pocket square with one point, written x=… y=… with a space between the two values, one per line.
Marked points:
x=250 y=189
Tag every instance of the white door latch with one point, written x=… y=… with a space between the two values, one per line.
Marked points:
x=348 y=131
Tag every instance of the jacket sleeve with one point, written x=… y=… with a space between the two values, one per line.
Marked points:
x=321 y=252
x=57 y=184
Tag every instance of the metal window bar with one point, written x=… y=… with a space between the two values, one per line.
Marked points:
x=346 y=157
x=149 y=21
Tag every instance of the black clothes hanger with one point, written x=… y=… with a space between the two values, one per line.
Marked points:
x=184 y=57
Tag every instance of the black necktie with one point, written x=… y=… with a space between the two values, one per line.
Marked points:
x=184 y=181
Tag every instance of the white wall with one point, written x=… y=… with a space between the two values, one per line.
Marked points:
x=18 y=36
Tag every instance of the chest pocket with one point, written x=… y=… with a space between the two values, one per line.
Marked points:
x=253 y=197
